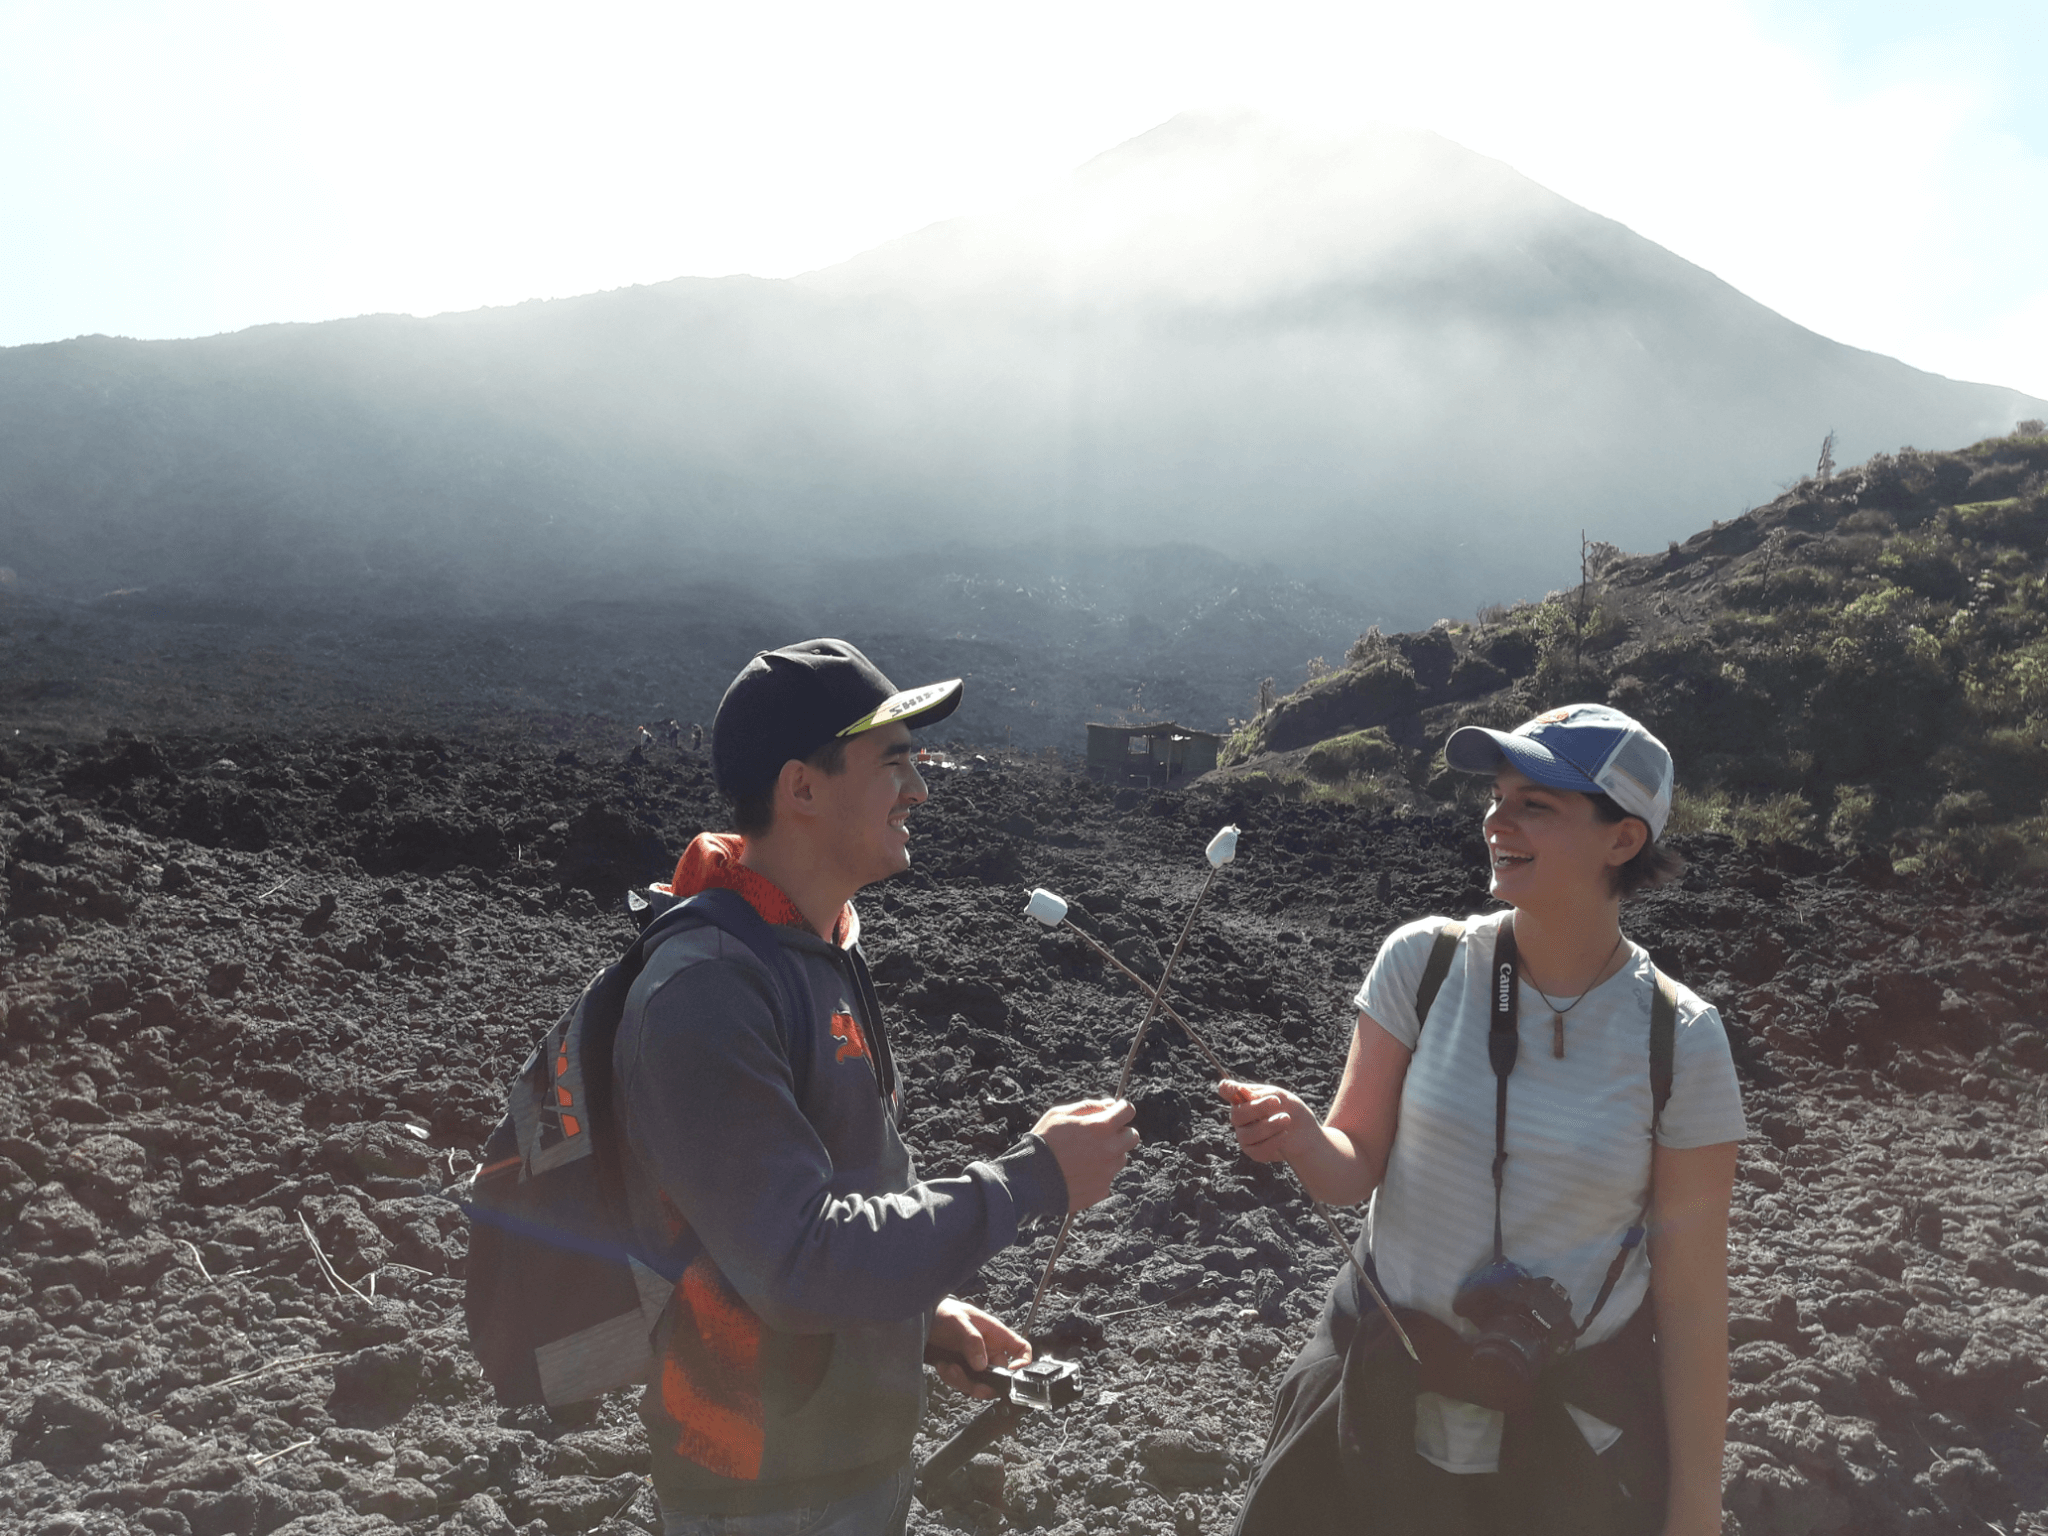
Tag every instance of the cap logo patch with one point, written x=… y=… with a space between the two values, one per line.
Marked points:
x=1555 y=717
x=901 y=706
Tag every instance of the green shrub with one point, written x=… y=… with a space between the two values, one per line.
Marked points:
x=1854 y=816
x=1786 y=818
x=1371 y=793
x=1927 y=562
x=2015 y=520
x=1475 y=675
x=1791 y=586
x=1962 y=808
x=2010 y=850
x=1366 y=647
x=2015 y=765
x=2013 y=684
x=1243 y=743
x=1355 y=698
x=1359 y=752
x=1284 y=786
x=1513 y=648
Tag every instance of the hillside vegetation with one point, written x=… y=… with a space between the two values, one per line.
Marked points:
x=1860 y=665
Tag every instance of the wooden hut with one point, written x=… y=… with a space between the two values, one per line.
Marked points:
x=1161 y=751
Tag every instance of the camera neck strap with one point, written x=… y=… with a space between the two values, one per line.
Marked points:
x=1503 y=1045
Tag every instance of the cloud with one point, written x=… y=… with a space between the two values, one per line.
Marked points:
x=174 y=170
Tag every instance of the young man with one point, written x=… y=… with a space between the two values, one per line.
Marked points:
x=789 y=1358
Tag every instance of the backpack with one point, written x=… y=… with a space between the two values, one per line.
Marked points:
x=559 y=1300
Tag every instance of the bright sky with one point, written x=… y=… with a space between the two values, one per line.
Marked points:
x=1874 y=169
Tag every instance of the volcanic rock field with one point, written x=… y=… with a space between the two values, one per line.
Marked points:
x=262 y=994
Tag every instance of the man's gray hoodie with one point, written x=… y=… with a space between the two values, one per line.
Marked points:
x=788 y=1358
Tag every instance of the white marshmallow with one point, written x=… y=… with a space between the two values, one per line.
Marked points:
x=1047 y=908
x=1223 y=847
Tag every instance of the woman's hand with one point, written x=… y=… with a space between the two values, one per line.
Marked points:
x=1271 y=1124
x=1339 y=1160
x=979 y=1339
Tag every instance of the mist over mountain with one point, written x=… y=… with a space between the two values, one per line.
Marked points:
x=1384 y=363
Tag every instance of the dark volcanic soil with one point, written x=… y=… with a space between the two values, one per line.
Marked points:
x=264 y=992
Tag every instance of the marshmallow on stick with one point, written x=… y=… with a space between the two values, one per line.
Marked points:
x=1051 y=910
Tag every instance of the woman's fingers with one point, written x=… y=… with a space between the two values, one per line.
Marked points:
x=1274 y=1121
x=1261 y=1117
x=1240 y=1096
x=1257 y=1111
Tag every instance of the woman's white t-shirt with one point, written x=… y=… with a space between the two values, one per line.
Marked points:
x=1578 y=1143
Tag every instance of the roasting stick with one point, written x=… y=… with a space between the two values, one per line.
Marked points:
x=1329 y=1218
x=1052 y=911
x=1222 y=848
x=1160 y=1003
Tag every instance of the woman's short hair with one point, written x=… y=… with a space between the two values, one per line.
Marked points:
x=1653 y=865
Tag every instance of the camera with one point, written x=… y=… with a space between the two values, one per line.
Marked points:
x=1524 y=1322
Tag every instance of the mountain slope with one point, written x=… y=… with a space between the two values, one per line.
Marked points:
x=1384 y=362
x=1861 y=663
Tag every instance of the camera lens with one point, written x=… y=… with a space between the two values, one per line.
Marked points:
x=1524 y=1322
x=1503 y=1368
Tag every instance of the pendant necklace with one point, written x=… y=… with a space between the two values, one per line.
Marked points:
x=1557 y=1014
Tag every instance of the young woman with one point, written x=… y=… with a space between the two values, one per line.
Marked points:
x=1608 y=1390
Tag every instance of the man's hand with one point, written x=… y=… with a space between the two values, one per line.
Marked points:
x=979 y=1339
x=1269 y=1121
x=1091 y=1141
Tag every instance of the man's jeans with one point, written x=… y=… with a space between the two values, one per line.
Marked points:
x=882 y=1510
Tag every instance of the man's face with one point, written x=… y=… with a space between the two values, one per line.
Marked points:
x=863 y=810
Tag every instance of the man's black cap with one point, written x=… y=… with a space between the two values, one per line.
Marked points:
x=788 y=703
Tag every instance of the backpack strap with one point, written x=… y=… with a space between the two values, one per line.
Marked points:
x=729 y=912
x=1663 y=1045
x=1441 y=953
x=732 y=913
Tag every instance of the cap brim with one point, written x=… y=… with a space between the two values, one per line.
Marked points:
x=912 y=707
x=1475 y=749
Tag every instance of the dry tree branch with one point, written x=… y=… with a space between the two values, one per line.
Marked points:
x=288 y=1363
x=327 y=1269
x=257 y=1461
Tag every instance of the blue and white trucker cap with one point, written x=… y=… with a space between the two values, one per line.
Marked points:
x=1586 y=747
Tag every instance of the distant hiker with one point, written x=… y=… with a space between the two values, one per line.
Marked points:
x=646 y=737
x=675 y=736
x=696 y=737
x=762 y=1154
x=1525 y=1094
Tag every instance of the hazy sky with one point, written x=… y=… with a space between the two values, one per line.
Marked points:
x=1872 y=169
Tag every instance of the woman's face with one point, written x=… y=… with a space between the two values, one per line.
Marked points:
x=1549 y=844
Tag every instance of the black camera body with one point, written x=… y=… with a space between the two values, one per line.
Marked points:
x=1524 y=1322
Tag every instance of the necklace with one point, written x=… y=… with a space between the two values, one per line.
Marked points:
x=1557 y=1014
